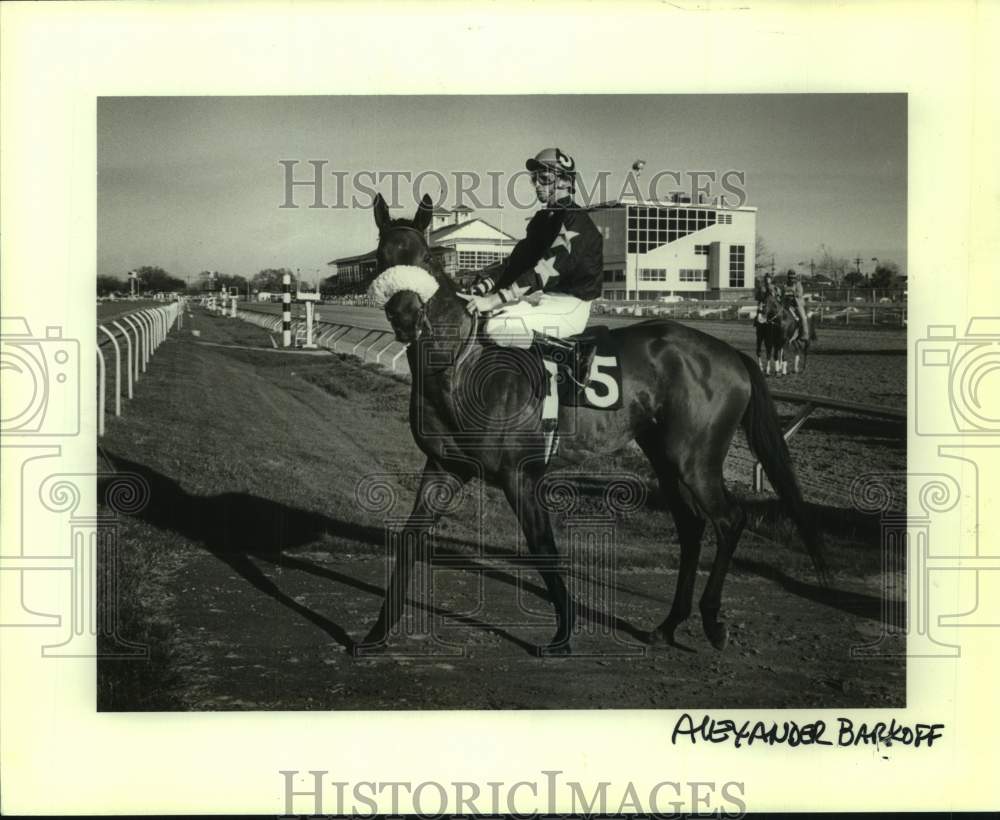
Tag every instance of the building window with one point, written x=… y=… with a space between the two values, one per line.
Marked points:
x=475 y=260
x=649 y=228
x=725 y=219
x=652 y=274
x=693 y=275
x=614 y=276
x=702 y=249
x=737 y=265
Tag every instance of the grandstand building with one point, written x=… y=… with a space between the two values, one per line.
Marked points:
x=653 y=250
x=460 y=241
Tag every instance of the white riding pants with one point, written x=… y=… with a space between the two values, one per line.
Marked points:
x=556 y=314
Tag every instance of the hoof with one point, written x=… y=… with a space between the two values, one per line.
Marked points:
x=718 y=635
x=661 y=636
x=559 y=649
x=656 y=638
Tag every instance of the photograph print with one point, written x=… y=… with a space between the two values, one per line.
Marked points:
x=502 y=402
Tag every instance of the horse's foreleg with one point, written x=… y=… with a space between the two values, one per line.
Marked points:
x=534 y=520
x=796 y=362
x=414 y=545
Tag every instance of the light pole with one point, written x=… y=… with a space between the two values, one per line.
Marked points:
x=637 y=167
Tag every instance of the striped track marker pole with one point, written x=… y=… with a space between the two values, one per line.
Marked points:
x=286 y=310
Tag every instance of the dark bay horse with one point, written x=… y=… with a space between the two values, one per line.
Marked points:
x=778 y=331
x=475 y=412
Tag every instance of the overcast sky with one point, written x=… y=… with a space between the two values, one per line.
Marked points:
x=196 y=183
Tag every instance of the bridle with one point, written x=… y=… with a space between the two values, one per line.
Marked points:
x=422 y=320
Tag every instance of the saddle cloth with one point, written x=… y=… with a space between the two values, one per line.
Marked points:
x=604 y=385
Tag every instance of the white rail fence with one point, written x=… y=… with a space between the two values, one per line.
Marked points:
x=376 y=346
x=142 y=331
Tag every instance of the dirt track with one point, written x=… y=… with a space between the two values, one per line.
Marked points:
x=254 y=564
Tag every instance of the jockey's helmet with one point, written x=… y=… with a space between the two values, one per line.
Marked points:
x=552 y=160
x=792 y=275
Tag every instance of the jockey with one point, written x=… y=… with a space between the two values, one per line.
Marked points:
x=795 y=300
x=544 y=291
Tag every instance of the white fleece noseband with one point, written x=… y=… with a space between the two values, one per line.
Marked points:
x=402 y=277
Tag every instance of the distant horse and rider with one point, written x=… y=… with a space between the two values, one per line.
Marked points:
x=479 y=390
x=782 y=321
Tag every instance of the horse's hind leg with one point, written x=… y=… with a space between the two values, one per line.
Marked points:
x=690 y=528
x=728 y=519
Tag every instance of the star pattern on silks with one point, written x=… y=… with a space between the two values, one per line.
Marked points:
x=546 y=270
x=564 y=239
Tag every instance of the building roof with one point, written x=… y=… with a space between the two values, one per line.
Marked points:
x=446 y=231
x=461 y=209
x=438 y=211
x=361 y=257
x=653 y=203
x=437 y=236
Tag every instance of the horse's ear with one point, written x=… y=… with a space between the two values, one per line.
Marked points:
x=382 y=217
x=425 y=210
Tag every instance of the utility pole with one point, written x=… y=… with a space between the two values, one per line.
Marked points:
x=857 y=264
x=637 y=167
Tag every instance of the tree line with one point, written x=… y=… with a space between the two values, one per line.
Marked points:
x=840 y=270
x=154 y=279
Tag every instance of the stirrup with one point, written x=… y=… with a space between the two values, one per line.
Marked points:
x=572 y=358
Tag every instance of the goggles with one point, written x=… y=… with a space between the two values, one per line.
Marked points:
x=544 y=177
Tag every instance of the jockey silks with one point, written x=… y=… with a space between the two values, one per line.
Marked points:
x=562 y=252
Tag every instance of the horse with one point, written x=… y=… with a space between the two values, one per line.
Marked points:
x=779 y=330
x=684 y=394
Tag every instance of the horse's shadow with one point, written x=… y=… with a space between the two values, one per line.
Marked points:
x=241 y=529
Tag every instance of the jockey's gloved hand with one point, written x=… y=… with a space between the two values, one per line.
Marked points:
x=482 y=287
x=482 y=304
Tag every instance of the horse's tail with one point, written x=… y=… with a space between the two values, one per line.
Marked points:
x=763 y=431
